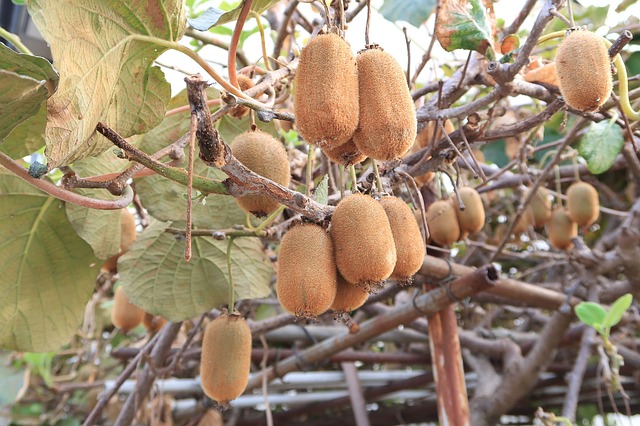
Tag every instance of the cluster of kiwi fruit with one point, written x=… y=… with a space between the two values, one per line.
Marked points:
x=583 y=209
x=368 y=242
x=353 y=108
x=583 y=67
x=448 y=222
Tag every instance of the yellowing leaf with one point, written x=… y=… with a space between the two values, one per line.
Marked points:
x=464 y=24
x=106 y=70
x=47 y=272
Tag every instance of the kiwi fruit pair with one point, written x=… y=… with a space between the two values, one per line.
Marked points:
x=326 y=92
x=226 y=358
x=388 y=125
x=125 y=315
x=583 y=67
x=263 y=154
x=449 y=223
x=561 y=229
x=307 y=277
x=365 y=251
x=583 y=205
x=127 y=237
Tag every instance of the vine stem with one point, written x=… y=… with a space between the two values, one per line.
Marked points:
x=309 y=175
x=231 y=290
x=269 y=220
x=63 y=194
x=192 y=144
x=265 y=56
x=235 y=38
x=15 y=40
x=354 y=179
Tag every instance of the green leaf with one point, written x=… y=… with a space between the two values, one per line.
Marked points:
x=27 y=137
x=99 y=228
x=115 y=81
x=156 y=277
x=214 y=16
x=164 y=200
x=414 y=12
x=11 y=380
x=601 y=145
x=590 y=313
x=617 y=310
x=47 y=272
x=462 y=27
x=25 y=82
x=322 y=190
x=40 y=364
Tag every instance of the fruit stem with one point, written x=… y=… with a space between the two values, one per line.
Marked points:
x=376 y=173
x=551 y=36
x=354 y=179
x=15 y=40
x=341 y=171
x=556 y=171
x=269 y=219
x=310 y=157
x=624 y=86
x=231 y=291
x=265 y=56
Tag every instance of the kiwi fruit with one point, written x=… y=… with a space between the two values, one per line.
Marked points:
x=471 y=219
x=363 y=240
x=125 y=315
x=410 y=249
x=442 y=221
x=426 y=135
x=226 y=358
x=387 y=127
x=127 y=236
x=583 y=205
x=326 y=91
x=526 y=219
x=541 y=207
x=346 y=154
x=348 y=297
x=583 y=67
x=153 y=323
x=264 y=155
x=306 y=284
x=244 y=83
x=561 y=229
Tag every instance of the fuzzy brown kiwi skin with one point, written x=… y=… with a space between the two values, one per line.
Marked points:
x=348 y=296
x=561 y=229
x=410 y=249
x=125 y=315
x=326 y=91
x=583 y=205
x=306 y=283
x=226 y=358
x=387 y=127
x=471 y=219
x=266 y=156
x=541 y=208
x=426 y=135
x=346 y=154
x=153 y=323
x=363 y=241
x=583 y=67
x=523 y=223
x=127 y=236
x=442 y=221
x=240 y=111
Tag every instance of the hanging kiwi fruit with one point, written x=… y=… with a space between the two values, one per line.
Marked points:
x=364 y=247
x=387 y=127
x=326 y=91
x=263 y=154
x=226 y=358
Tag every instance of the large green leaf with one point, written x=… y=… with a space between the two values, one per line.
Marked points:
x=463 y=24
x=214 y=16
x=106 y=69
x=27 y=137
x=601 y=145
x=99 y=228
x=156 y=277
x=414 y=12
x=25 y=82
x=47 y=272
